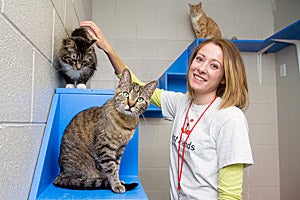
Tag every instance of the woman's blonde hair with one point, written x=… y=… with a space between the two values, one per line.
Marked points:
x=235 y=90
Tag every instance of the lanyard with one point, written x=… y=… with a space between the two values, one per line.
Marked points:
x=188 y=132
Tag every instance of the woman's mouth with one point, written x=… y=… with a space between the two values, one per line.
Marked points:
x=199 y=78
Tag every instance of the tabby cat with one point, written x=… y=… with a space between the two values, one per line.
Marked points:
x=204 y=26
x=77 y=59
x=94 y=140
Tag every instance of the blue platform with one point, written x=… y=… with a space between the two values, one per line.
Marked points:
x=66 y=103
x=174 y=78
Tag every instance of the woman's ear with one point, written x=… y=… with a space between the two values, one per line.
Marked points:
x=223 y=81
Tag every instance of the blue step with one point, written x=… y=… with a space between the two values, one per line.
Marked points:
x=66 y=103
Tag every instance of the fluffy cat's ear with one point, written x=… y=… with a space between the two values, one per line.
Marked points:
x=151 y=86
x=69 y=43
x=126 y=77
x=92 y=42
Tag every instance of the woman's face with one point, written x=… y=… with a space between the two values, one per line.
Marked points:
x=206 y=72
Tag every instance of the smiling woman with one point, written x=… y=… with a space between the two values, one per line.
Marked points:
x=210 y=143
x=206 y=73
x=224 y=59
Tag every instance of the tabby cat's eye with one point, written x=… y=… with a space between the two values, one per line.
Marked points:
x=126 y=94
x=140 y=99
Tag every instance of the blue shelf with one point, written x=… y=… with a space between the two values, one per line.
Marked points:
x=243 y=45
x=174 y=78
x=52 y=192
x=291 y=32
x=175 y=81
x=66 y=103
x=152 y=112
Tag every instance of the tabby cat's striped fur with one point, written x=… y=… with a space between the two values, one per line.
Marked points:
x=94 y=140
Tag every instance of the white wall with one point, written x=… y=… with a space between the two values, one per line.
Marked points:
x=149 y=35
x=31 y=32
x=288 y=87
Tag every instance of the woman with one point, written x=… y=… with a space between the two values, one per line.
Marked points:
x=209 y=141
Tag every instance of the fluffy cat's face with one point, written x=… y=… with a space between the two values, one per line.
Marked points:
x=78 y=53
x=132 y=99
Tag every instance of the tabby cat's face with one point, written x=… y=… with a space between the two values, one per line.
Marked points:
x=131 y=99
x=78 y=53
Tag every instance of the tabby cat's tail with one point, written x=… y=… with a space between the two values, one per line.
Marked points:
x=77 y=183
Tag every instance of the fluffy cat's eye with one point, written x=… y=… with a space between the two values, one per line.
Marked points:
x=126 y=94
x=140 y=99
x=73 y=56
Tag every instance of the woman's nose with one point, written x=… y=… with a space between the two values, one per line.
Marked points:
x=202 y=68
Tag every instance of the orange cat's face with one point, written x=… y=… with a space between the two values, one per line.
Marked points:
x=195 y=9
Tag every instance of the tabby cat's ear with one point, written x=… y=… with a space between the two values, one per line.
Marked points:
x=151 y=86
x=126 y=77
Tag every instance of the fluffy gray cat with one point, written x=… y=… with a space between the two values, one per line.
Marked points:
x=77 y=60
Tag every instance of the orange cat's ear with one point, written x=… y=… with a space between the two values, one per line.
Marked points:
x=126 y=77
x=200 y=4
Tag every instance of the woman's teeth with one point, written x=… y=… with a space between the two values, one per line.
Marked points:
x=198 y=78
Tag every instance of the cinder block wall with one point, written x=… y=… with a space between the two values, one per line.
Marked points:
x=31 y=33
x=149 y=35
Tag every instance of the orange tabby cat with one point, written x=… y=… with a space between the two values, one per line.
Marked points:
x=204 y=26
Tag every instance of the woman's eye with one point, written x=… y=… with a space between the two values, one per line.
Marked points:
x=199 y=59
x=126 y=94
x=140 y=99
x=215 y=66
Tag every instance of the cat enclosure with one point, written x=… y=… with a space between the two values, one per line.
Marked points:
x=66 y=103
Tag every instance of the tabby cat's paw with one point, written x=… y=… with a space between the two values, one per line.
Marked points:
x=118 y=188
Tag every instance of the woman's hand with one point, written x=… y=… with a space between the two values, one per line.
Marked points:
x=96 y=34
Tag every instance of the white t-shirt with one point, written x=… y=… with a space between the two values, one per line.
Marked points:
x=219 y=139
